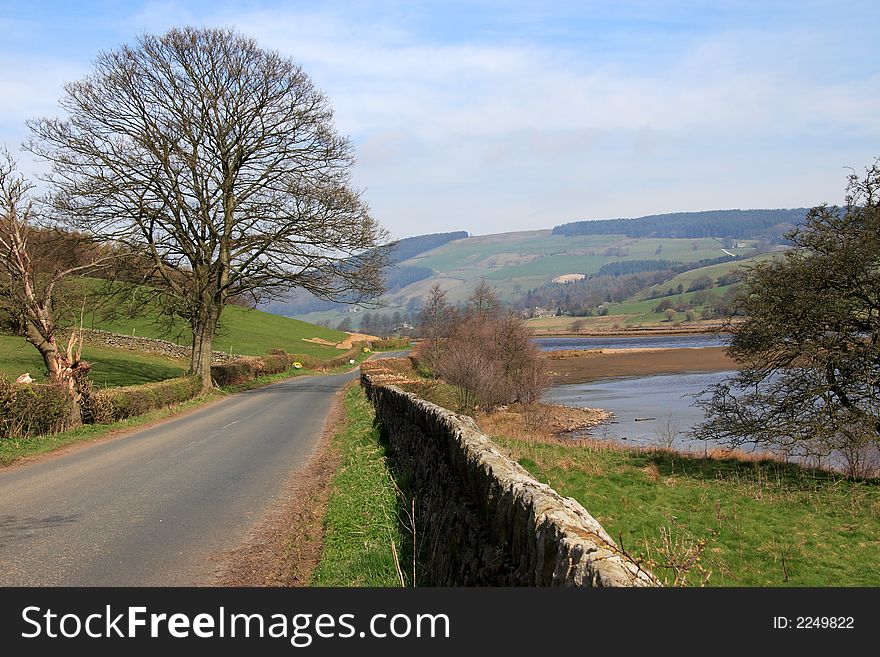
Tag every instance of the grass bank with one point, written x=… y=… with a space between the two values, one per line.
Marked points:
x=362 y=533
x=719 y=521
x=696 y=519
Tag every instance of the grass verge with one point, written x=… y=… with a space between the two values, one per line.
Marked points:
x=719 y=521
x=362 y=533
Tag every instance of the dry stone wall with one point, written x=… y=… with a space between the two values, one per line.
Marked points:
x=143 y=344
x=482 y=519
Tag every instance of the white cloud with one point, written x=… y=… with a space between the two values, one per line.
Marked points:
x=490 y=135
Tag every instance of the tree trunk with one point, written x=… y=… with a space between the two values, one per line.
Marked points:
x=203 y=348
x=64 y=369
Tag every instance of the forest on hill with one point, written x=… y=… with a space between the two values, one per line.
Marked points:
x=734 y=224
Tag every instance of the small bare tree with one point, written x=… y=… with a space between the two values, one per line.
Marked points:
x=490 y=359
x=436 y=320
x=33 y=264
x=217 y=162
x=483 y=302
x=667 y=431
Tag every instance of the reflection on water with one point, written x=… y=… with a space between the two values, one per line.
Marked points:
x=649 y=410
x=691 y=341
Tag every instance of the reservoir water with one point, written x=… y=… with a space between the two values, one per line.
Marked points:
x=689 y=341
x=646 y=409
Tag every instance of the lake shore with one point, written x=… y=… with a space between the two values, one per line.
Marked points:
x=590 y=365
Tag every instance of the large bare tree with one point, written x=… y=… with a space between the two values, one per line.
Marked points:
x=219 y=161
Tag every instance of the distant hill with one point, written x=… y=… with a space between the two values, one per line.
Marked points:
x=737 y=224
x=396 y=276
x=614 y=258
x=410 y=247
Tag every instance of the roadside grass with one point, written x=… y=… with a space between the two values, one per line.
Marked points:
x=746 y=522
x=361 y=522
x=110 y=367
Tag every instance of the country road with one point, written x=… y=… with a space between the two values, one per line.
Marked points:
x=155 y=507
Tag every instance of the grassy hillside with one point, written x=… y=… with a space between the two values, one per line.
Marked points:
x=639 y=309
x=521 y=261
x=242 y=331
x=685 y=279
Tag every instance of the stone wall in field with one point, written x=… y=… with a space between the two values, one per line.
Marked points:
x=481 y=519
x=143 y=344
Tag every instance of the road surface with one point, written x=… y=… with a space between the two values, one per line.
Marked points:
x=152 y=508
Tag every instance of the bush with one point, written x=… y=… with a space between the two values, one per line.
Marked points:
x=239 y=371
x=112 y=404
x=701 y=283
x=392 y=343
x=492 y=361
x=32 y=409
x=276 y=363
x=663 y=306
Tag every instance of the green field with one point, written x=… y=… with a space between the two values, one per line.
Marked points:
x=110 y=367
x=752 y=523
x=242 y=332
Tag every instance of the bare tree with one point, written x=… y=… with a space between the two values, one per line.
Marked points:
x=218 y=161
x=436 y=320
x=489 y=357
x=33 y=264
x=483 y=302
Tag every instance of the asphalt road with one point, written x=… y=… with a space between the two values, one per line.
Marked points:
x=152 y=508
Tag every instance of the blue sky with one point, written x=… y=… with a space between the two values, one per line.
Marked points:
x=497 y=116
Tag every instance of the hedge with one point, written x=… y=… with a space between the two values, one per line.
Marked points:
x=238 y=371
x=392 y=343
x=247 y=368
x=102 y=406
x=32 y=409
x=37 y=409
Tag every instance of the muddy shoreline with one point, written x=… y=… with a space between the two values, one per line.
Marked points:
x=589 y=365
